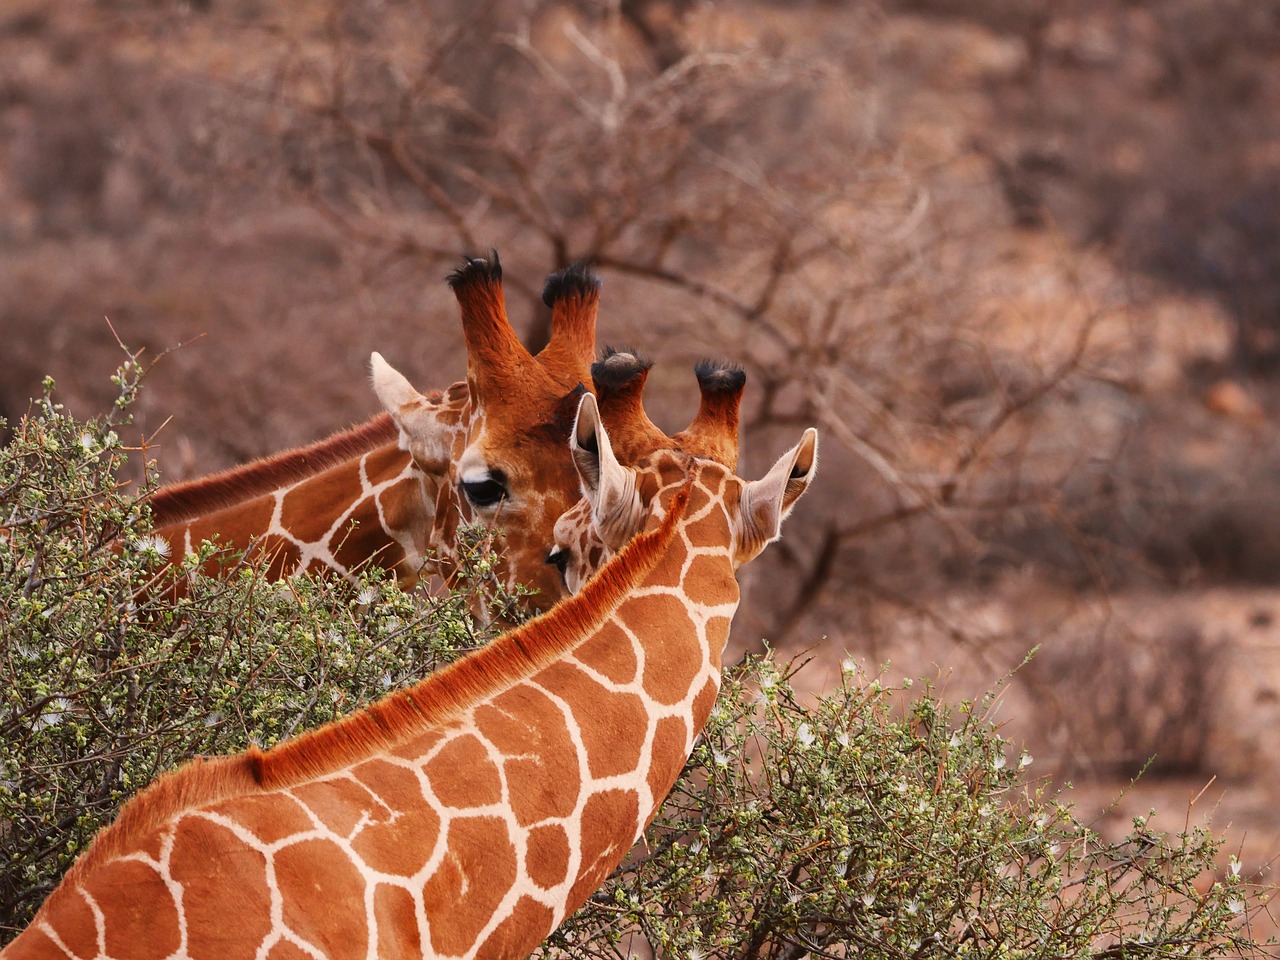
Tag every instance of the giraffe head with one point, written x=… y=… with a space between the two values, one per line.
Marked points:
x=502 y=461
x=621 y=501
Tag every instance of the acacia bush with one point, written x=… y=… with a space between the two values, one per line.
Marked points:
x=889 y=823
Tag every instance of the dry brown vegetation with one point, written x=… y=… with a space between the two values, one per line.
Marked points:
x=1019 y=261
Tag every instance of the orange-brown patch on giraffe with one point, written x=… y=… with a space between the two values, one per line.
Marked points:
x=612 y=725
x=35 y=944
x=206 y=855
x=463 y=775
x=476 y=874
x=364 y=541
x=717 y=634
x=268 y=816
x=231 y=526
x=337 y=802
x=284 y=950
x=419 y=745
x=670 y=741
x=713 y=528
x=527 y=926
x=397 y=922
x=609 y=651
x=380 y=844
x=608 y=821
x=666 y=678
x=669 y=573
x=385 y=461
x=323 y=897
x=143 y=921
x=76 y=928
x=542 y=763
x=401 y=497
x=710 y=580
x=151 y=845
x=547 y=855
x=673 y=470
x=700 y=495
x=305 y=511
x=703 y=703
x=397 y=786
x=401 y=504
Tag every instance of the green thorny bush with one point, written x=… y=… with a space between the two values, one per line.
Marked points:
x=106 y=679
x=887 y=823
x=849 y=828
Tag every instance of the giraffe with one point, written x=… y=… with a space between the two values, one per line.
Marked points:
x=467 y=815
x=395 y=491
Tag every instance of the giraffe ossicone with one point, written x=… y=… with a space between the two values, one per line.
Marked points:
x=466 y=816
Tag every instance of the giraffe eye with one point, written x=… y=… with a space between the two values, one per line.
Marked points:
x=559 y=559
x=484 y=493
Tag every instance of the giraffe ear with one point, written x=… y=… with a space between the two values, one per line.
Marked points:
x=606 y=484
x=416 y=417
x=767 y=501
x=392 y=387
x=590 y=448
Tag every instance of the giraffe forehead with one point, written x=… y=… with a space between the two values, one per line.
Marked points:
x=525 y=434
x=530 y=390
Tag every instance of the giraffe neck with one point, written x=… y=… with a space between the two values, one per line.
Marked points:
x=194 y=498
x=463 y=817
x=376 y=509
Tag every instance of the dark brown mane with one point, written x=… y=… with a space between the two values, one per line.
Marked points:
x=395 y=718
x=183 y=501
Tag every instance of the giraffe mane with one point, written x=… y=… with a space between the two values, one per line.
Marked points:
x=396 y=718
x=193 y=498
